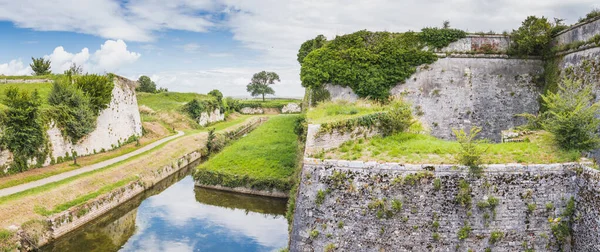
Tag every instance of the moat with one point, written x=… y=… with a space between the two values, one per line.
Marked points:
x=176 y=216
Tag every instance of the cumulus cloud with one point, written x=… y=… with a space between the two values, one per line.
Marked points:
x=110 y=57
x=134 y=20
x=15 y=67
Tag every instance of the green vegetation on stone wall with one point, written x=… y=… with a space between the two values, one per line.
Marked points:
x=595 y=13
x=23 y=129
x=265 y=159
x=371 y=63
x=269 y=103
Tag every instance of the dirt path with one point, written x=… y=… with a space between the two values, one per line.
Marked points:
x=64 y=175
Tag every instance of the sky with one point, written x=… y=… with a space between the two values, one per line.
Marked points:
x=200 y=45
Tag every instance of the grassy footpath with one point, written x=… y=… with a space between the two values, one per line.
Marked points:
x=264 y=159
x=418 y=149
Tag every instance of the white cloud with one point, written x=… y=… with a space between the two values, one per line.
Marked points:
x=110 y=57
x=15 y=67
x=191 y=47
x=134 y=20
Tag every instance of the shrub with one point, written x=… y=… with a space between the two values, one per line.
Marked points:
x=40 y=66
x=23 y=132
x=216 y=94
x=464 y=232
x=591 y=15
x=571 y=116
x=398 y=118
x=464 y=194
x=97 y=88
x=440 y=37
x=71 y=110
x=470 y=153
x=495 y=236
x=532 y=37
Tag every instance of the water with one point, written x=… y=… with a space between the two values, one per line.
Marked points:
x=176 y=216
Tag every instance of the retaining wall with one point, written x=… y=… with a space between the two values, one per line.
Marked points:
x=431 y=217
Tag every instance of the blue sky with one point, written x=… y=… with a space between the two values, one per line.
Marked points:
x=200 y=45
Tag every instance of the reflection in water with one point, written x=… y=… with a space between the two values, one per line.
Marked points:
x=181 y=218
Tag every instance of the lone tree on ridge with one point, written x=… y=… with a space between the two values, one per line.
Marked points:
x=40 y=66
x=146 y=85
x=260 y=84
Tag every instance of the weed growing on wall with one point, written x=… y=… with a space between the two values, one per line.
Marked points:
x=471 y=151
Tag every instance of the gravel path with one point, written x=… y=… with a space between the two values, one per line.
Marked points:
x=64 y=175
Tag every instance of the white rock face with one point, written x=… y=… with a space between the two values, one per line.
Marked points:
x=291 y=108
x=115 y=124
x=214 y=116
x=252 y=111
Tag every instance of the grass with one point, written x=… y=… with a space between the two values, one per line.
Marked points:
x=167 y=101
x=268 y=103
x=264 y=159
x=43 y=89
x=83 y=198
x=341 y=110
x=29 y=77
x=418 y=148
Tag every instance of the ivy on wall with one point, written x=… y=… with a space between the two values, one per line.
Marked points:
x=371 y=63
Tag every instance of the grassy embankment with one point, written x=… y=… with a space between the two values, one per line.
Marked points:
x=162 y=112
x=265 y=159
x=268 y=103
x=417 y=147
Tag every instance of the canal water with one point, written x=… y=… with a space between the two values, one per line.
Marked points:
x=177 y=216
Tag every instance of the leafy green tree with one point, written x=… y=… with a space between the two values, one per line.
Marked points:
x=72 y=110
x=40 y=66
x=194 y=108
x=572 y=116
x=217 y=94
x=146 y=85
x=309 y=46
x=532 y=37
x=98 y=89
x=260 y=84
x=23 y=133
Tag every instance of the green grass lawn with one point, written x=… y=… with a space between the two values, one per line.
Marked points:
x=264 y=159
x=43 y=88
x=167 y=101
x=418 y=149
x=270 y=103
x=29 y=77
x=341 y=110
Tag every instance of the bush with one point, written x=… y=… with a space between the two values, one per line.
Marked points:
x=98 y=89
x=440 y=37
x=470 y=153
x=72 y=111
x=398 y=118
x=216 y=94
x=572 y=116
x=532 y=37
x=591 y=15
x=23 y=132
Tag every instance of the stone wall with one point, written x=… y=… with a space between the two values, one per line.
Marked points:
x=461 y=92
x=251 y=111
x=214 y=116
x=356 y=214
x=479 y=43
x=317 y=141
x=578 y=32
x=114 y=125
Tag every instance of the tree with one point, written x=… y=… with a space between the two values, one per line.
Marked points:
x=532 y=37
x=572 y=116
x=146 y=85
x=40 y=66
x=71 y=110
x=309 y=46
x=446 y=24
x=217 y=94
x=23 y=131
x=260 y=84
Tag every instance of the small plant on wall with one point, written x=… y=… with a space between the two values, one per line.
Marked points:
x=471 y=149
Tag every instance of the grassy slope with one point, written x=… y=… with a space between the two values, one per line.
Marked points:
x=29 y=77
x=270 y=103
x=167 y=101
x=266 y=155
x=418 y=148
x=340 y=110
x=43 y=89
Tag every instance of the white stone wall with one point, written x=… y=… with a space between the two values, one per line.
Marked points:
x=475 y=43
x=579 y=32
x=291 y=108
x=214 y=116
x=115 y=124
x=318 y=141
x=251 y=111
